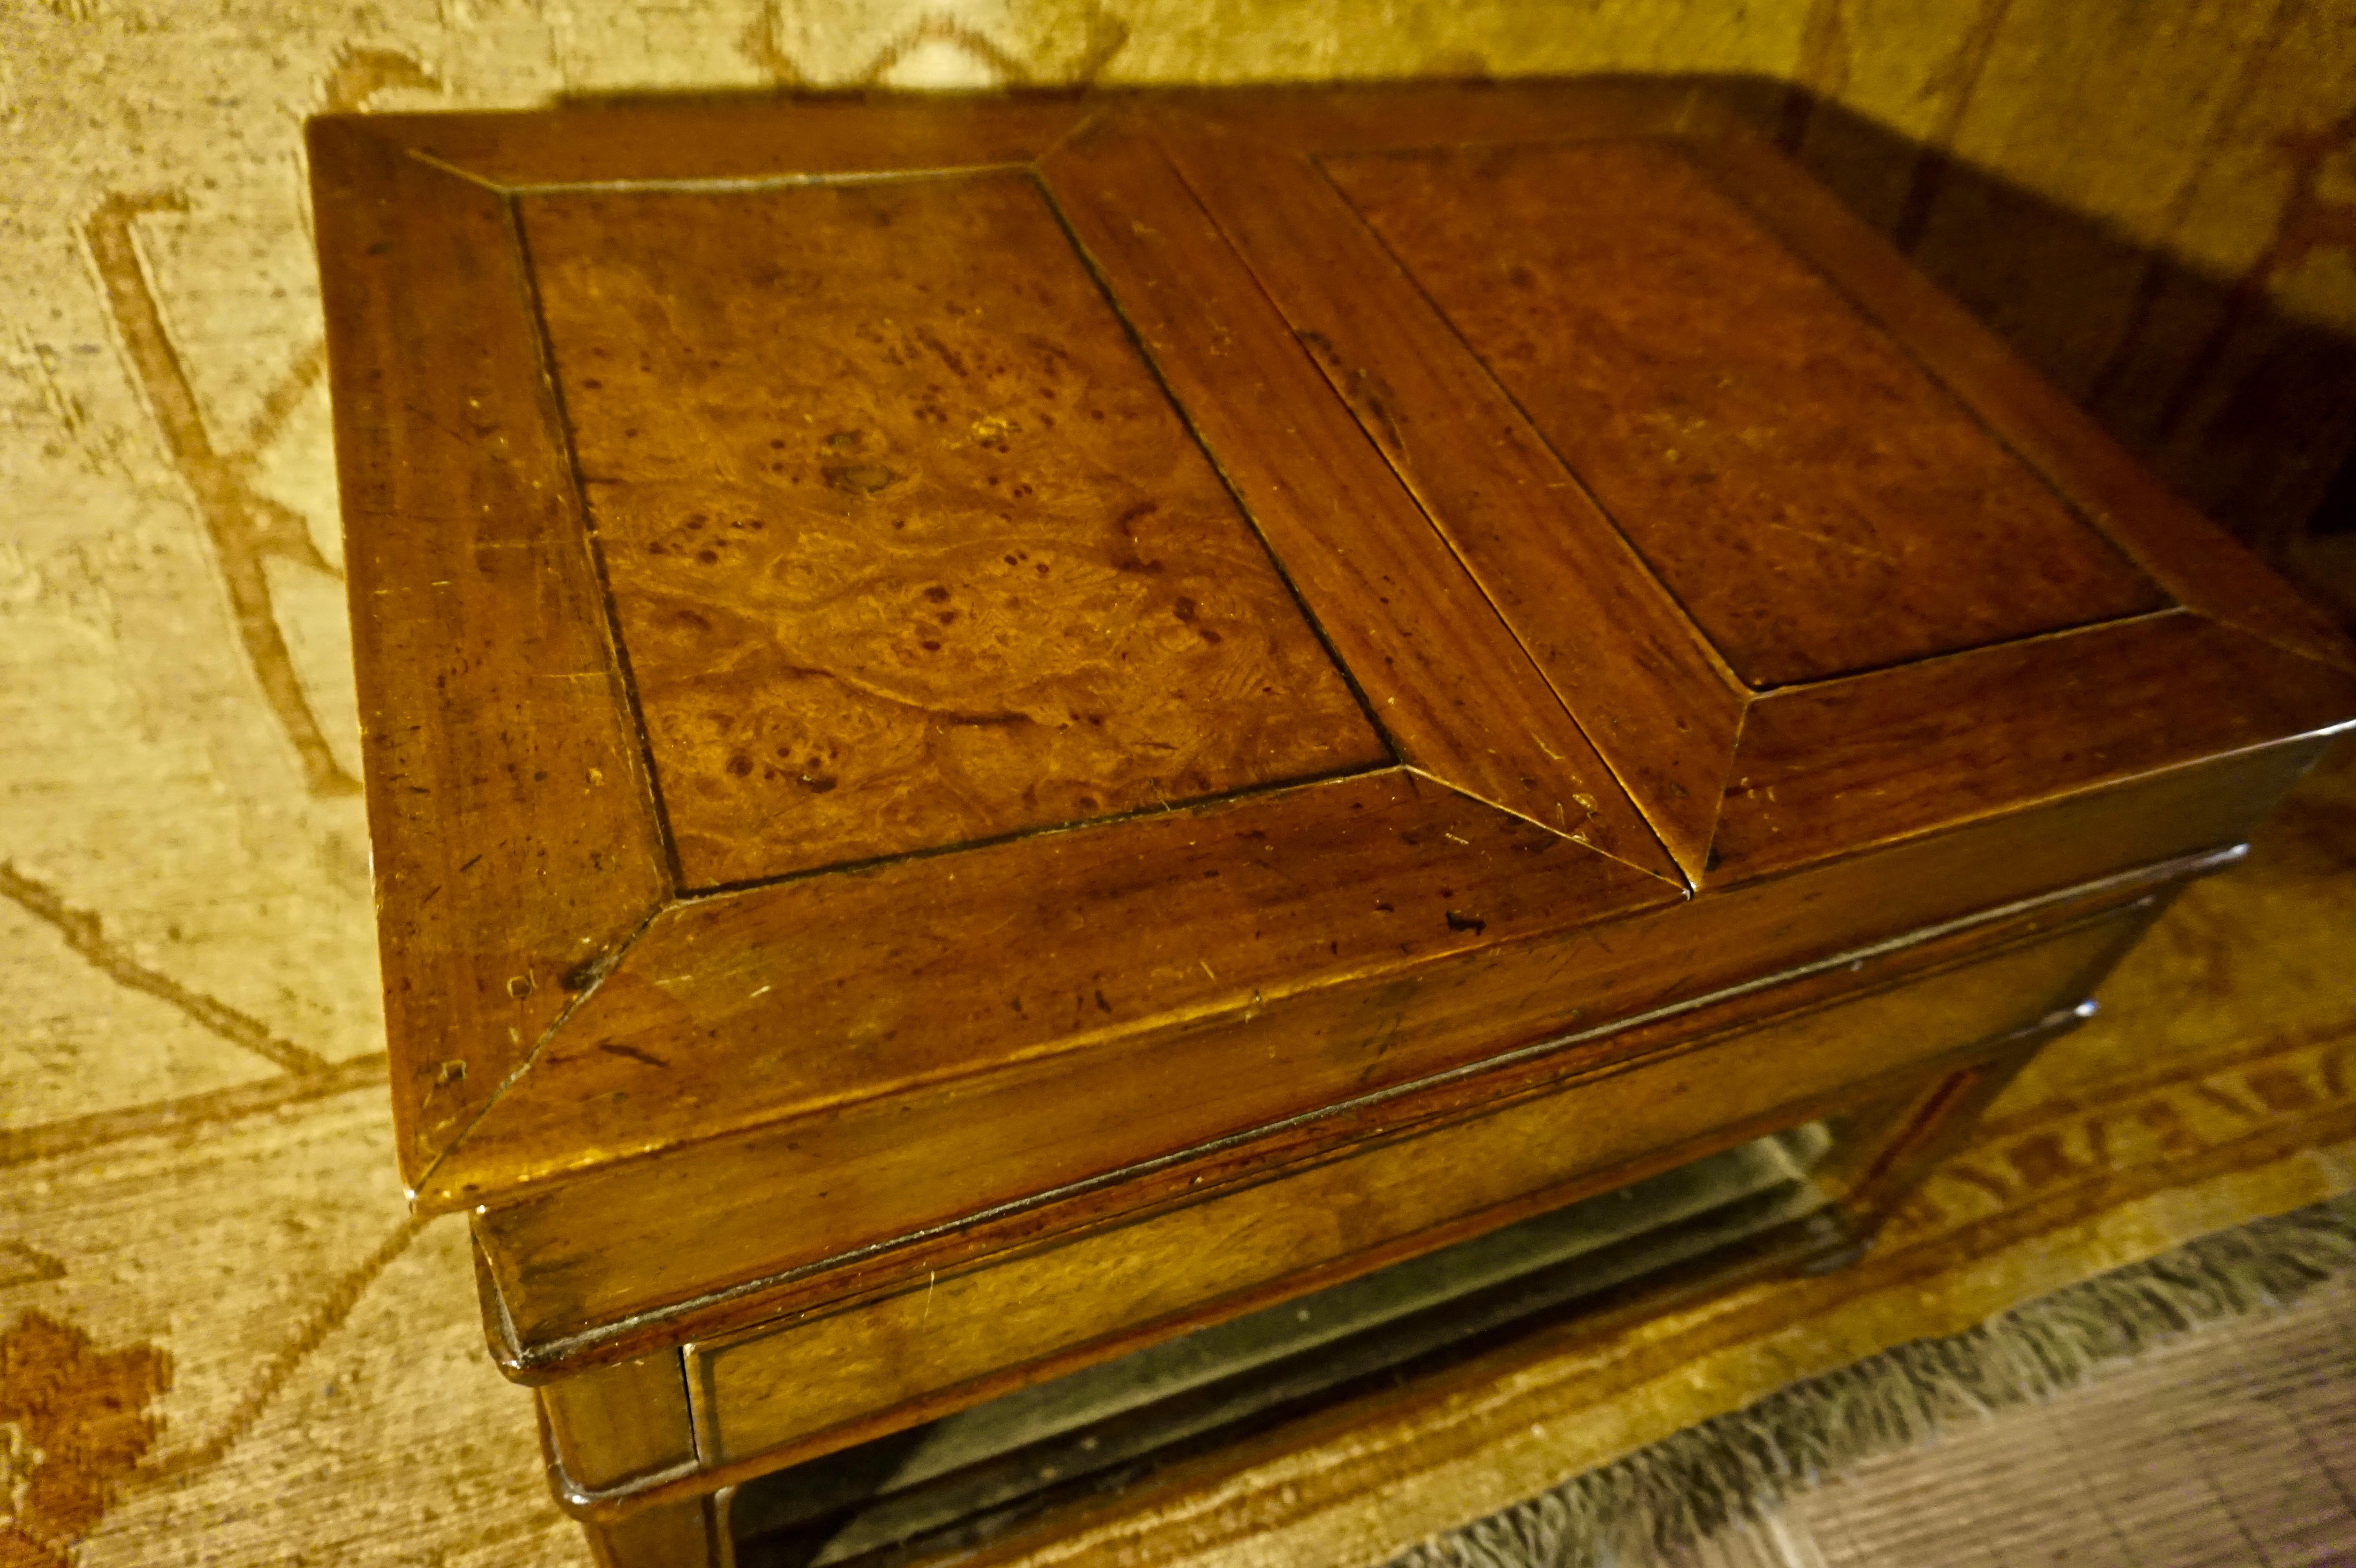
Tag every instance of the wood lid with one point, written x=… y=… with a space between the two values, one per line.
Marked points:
x=853 y=597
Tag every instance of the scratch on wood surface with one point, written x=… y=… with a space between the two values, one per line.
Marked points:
x=1830 y=543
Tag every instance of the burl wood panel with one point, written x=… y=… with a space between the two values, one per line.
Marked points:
x=2185 y=553
x=1818 y=504
x=907 y=546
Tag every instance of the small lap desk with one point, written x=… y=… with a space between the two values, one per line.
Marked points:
x=1000 y=728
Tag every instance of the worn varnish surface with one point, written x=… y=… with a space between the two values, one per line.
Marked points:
x=1443 y=671
x=513 y=832
x=1817 y=502
x=907 y=548
x=1612 y=642
x=722 y=916
x=1078 y=964
x=1279 y=1239
x=555 y=1257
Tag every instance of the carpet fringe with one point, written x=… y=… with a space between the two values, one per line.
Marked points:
x=1742 y=1466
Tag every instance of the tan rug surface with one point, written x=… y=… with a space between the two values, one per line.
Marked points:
x=222 y=1341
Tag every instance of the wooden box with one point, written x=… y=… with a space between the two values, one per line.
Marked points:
x=999 y=728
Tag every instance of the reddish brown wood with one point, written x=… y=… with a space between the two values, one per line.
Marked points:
x=807 y=1382
x=581 y=1256
x=1311 y=776
x=1095 y=961
x=2197 y=562
x=1443 y=673
x=1816 y=502
x=1853 y=762
x=859 y=452
x=1611 y=641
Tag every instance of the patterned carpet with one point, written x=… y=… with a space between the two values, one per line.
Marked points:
x=222 y=1341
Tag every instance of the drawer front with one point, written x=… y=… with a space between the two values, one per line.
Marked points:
x=829 y=1377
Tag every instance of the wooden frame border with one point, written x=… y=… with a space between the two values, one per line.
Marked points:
x=514 y=956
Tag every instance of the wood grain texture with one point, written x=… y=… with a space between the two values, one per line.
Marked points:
x=980 y=1330
x=599 y=1267
x=491 y=702
x=1852 y=762
x=685 y=1532
x=681 y=139
x=1634 y=672
x=1082 y=960
x=907 y=547
x=1817 y=504
x=1307 y=120
x=942 y=1338
x=1445 y=674
x=618 y=1424
x=863 y=1044
x=2196 y=561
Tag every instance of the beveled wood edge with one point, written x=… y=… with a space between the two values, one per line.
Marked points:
x=1947 y=944
x=640 y=1332
x=2030 y=781
x=1182 y=254
x=1688 y=661
x=353 y=217
x=2143 y=822
x=653 y=1489
x=463 y=1180
x=2199 y=565
x=2190 y=558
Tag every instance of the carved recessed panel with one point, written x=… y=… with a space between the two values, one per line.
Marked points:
x=906 y=545
x=1817 y=501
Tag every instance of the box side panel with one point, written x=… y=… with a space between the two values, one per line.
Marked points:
x=629 y=1240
